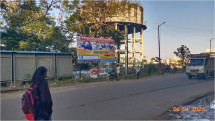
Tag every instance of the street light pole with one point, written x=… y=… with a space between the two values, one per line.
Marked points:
x=210 y=45
x=159 y=46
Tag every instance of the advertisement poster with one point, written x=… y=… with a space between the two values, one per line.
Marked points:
x=92 y=73
x=95 y=50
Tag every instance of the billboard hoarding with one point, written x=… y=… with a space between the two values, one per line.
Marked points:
x=89 y=48
x=88 y=61
x=107 y=61
x=88 y=57
x=92 y=73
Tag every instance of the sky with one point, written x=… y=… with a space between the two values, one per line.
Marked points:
x=189 y=23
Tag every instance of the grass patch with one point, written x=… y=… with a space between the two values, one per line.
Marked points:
x=68 y=81
x=56 y=83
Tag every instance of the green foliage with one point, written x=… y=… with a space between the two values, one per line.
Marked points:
x=27 y=76
x=116 y=35
x=182 y=52
x=86 y=80
x=152 y=61
x=145 y=61
x=130 y=60
x=152 y=69
x=74 y=54
x=157 y=59
x=122 y=59
x=94 y=15
x=175 y=69
x=28 y=26
x=90 y=18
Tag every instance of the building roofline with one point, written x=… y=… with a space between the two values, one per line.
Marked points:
x=34 y=52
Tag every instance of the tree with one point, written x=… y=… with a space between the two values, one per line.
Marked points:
x=165 y=62
x=74 y=55
x=117 y=35
x=157 y=59
x=94 y=15
x=183 y=53
x=152 y=60
x=145 y=61
x=122 y=59
x=130 y=60
x=91 y=18
x=29 y=26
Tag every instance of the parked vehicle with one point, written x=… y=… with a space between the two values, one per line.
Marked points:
x=200 y=66
x=112 y=76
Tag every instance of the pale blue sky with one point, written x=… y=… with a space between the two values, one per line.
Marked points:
x=188 y=23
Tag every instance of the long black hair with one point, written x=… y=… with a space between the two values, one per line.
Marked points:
x=38 y=76
x=42 y=84
x=43 y=90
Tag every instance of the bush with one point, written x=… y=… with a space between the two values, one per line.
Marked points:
x=86 y=80
x=152 y=69
x=175 y=70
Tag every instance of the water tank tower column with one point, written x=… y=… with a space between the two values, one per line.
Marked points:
x=133 y=48
x=126 y=49
x=141 y=48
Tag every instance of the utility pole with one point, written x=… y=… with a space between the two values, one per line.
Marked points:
x=210 y=45
x=159 y=46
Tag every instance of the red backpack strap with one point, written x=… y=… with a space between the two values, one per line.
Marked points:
x=35 y=85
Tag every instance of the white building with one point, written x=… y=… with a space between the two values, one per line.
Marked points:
x=173 y=62
x=208 y=50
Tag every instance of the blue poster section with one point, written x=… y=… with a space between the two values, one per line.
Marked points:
x=107 y=61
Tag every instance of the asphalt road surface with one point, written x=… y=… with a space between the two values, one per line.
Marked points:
x=142 y=99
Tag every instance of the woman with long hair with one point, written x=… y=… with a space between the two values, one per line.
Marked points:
x=44 y=108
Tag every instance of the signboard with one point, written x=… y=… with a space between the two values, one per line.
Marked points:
x=89 y=48
x=88 y=61
x=92 y=73
x=88 y=57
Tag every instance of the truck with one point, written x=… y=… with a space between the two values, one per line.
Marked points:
x=200 y=66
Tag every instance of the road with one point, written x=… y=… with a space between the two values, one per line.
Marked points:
x=142 y=99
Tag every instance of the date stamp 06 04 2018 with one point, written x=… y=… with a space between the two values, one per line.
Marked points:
x=188 y=109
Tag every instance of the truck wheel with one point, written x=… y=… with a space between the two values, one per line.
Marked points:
x=189 y=76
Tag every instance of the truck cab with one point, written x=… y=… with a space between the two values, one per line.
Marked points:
x=196 y=67
x=200 y=66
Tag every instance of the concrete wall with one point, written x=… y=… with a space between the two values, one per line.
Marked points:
x=6 y=67
x=48 y=62
x=25 y=65
x=64 y=63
